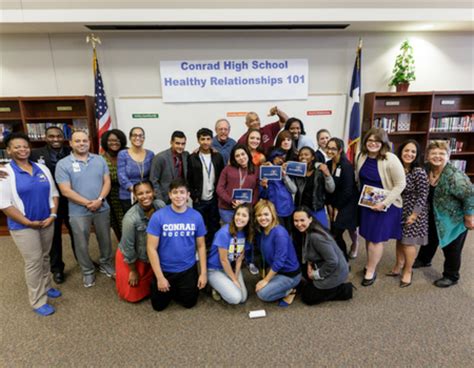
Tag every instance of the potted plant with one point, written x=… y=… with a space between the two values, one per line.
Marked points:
x=404 y=68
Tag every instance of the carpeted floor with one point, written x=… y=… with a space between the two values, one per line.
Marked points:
x=420 y=326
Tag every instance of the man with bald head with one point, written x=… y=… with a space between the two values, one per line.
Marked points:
x=221 y=142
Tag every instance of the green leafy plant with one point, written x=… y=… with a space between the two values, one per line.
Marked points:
x=404 y=68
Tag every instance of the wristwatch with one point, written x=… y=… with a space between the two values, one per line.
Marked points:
x=102 y=199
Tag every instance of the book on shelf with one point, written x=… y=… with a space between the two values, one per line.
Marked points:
x=459 y=164
x=387 y=124
x=5 y=129
x=404 y=122
x=455 y=146
x=453 y=124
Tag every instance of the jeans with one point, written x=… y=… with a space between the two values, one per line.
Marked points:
x=219 y=280
x=278 y=287
x=226 y=215
x=81 y=227
x=210 y=215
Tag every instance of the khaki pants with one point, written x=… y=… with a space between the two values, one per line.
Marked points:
x=34 y=246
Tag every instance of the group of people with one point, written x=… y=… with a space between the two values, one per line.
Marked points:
x=180 y=225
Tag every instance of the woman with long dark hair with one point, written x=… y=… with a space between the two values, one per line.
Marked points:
x=415 y=212
x=326 y=267
x=342 y=203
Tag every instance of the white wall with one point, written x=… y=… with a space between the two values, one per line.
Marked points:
x=60 y=64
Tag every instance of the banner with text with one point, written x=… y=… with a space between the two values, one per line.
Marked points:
x=234 y=80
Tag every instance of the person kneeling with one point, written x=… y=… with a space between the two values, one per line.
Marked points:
x=279 y=254
x=134 y=273
x=173 y=233
x=327 y=268
x=226 y=256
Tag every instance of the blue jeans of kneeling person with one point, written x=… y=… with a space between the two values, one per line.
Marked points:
x=229 y=291
x=278 y=287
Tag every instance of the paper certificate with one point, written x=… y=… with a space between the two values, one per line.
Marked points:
x=244 y=195
x=370 y=196
x=270 y=172
x=296 y=168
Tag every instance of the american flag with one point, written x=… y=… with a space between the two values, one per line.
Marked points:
x=353 y=120
x=102 y=115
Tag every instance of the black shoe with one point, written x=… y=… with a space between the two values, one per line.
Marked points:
x=368 y=282
x=58 y=277
x=419 y=264
x=444 y=282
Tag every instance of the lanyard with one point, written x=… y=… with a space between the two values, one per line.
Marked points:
x=207 y=167
x=241 y=179
x=141 y=168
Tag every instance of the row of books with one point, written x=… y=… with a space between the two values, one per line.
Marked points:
x=390 y=125
x=453 y=124
x=4 y=157
x=459 y=164
x=455 y=146
x=37 y=131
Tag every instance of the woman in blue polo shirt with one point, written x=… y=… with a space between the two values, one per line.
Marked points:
x=29 y=198
x=278 y=251
x=227 y=254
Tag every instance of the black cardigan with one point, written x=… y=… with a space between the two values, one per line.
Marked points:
x=195 y=178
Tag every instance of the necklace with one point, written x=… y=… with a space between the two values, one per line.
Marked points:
x=434 y=178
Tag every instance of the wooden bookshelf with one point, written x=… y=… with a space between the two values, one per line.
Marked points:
x=425 y=116
x=32 y=115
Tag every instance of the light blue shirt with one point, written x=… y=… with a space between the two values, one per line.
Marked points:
x=85 y=177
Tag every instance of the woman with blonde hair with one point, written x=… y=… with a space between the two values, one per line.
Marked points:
x=279 y=257
x=451 y=213
x=377 y=167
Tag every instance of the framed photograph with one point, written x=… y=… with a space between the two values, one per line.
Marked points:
x=296 y=168
x=370 y=196
x=270 y=172
x=244 y=195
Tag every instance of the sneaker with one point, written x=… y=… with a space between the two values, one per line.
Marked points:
x=88 y=280
x=108 y=270
x=54 y=293
x=215 y=295
x=45 y=310
x=253 y=269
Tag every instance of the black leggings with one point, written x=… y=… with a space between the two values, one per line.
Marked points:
x=183 y=289
x=311 y=295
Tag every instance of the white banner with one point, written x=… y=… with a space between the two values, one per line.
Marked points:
x=234 y=80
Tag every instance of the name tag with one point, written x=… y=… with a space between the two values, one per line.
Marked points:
x=76 y=167
x=338 y=172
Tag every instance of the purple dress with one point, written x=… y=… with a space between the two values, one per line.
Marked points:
x=376 y=226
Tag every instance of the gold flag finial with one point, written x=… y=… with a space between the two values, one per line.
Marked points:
x=94 y=40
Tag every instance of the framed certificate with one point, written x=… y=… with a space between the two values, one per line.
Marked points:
x=270 y=172
x=244 y=195
x=370 y=196
x=296 y=168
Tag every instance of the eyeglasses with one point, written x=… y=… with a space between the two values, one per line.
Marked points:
x=332 y=149
x=374 y=141
x=141 y=136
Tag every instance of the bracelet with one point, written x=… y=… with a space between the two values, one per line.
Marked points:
x=53 y=215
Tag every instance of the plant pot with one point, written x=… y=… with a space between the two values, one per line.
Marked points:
x=402 y=87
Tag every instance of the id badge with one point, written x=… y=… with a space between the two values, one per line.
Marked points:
x=76 y=167
x=338 y=172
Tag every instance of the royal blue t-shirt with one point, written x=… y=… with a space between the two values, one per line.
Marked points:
x=223 y=239
x=33 y=191
x=178 y=233
x=278 y=250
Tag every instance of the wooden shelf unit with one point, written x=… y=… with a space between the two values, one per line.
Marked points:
x=16 y=113
x=424 y=109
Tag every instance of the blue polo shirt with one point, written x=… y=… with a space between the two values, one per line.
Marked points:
x=85 y=177
x=33 y=191
x=178 y=233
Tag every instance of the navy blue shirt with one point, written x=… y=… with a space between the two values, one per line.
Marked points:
x=33 y=191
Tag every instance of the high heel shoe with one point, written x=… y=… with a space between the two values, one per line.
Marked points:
x=368 y=282
x=406 y=284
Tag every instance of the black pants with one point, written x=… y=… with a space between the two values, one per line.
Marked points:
x=56 y=252
x=126 y=205
x=183 y=289
x=452 y=253
x=311 y=295
x=337 y=233
x=210 y=214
